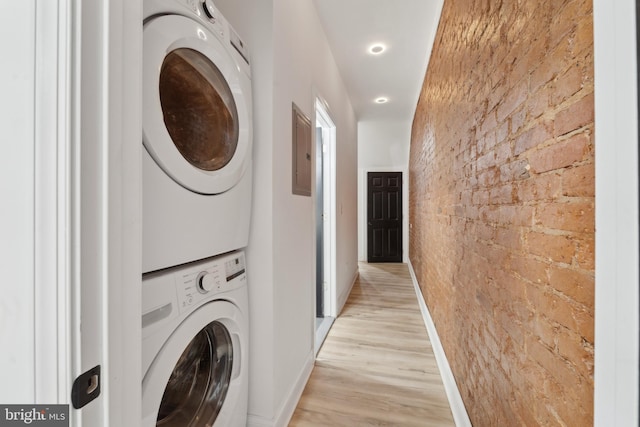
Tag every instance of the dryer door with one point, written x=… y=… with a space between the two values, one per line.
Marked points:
x=196 y=118
x=191 y=380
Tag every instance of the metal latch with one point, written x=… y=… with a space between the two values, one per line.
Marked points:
x=86 y=388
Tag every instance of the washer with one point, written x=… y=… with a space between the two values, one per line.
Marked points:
x=197 y=134
x=194 y=344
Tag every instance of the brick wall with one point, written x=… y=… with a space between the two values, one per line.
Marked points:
x=502 y=207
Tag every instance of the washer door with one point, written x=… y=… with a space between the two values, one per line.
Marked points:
x=196 y=118
x=188 y=380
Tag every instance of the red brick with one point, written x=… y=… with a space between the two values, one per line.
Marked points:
x=567 y=84
x=514 y=171
x=579 y=181
x=584 y=36
x=486 y=161
x=550 y=361
x=502 y=133
x=481 y=197
x=551 y=65
x=503 y=153
x=553 y=247
x=501 y=195
x=530 y=269
x=576 y=217
x=539 y=101
x=546 y=332
x=541 y=188
x=508 y=238
x=575 y=284
x=519 y=119
x=561 y=154
x=513 y=99
x=563 y=21
x=489 y=123
x=578 y=350
x=554 y=307
x=585 y=253
x=533 y=137
x=575 y=116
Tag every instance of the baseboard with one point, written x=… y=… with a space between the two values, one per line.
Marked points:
x=256 y=421
x=288 y=407
x=458 y=409
x=344 y=296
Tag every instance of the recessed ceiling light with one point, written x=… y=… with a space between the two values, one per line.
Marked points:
x=382 y=100
x=377 y=49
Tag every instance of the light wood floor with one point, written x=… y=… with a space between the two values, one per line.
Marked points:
x=376 y=367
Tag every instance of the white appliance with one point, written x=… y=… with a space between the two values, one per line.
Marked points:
x=197 y=134
x=194 y=344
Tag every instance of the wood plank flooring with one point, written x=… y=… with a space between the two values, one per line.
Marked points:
x=376 y=367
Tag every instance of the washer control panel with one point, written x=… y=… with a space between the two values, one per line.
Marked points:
x=209 y=278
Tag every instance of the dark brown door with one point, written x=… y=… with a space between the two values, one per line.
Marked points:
x=384 y=217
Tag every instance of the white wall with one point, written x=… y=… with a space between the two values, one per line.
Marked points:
x=17 y=118
x=383 y=146
x=291 y=62
x=617 y=276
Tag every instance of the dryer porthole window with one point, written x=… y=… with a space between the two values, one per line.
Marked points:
x=198 y=109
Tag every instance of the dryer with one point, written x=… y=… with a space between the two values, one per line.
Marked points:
x=194 y=344
x=197 y=134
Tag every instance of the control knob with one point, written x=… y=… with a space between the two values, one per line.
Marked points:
x=206 y=282
x=209 y=10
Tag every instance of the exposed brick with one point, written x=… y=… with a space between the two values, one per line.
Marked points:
x=514 y=99
x=583 y=35
x=530 y=269
x=501 y=195
x=503 y=153
x=573 y=347
x=579 y=181
x=501 y=204
x=533 y=137
x=567 y=84
x=560 y=155
x=546 y=332
x=541 y=188
x=552 y=64
x=576 y=217
x=574 y=116
x=585 y=253
x=577 y=285
x=553 y=247
x=509 y=238
x=539 y=101
x=514 y=171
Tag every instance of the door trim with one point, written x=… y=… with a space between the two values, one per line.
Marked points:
x=362 y=210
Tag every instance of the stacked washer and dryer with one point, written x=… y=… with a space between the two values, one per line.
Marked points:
x=197 y=172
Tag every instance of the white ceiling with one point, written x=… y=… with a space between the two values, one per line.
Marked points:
x=406 y=27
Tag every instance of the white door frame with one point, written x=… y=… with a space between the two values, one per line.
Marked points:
x=617 y=275
x=323 y=120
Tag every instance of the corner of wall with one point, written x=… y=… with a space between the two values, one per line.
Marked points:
x=341 y=300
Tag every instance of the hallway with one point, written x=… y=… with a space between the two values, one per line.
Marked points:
x=376 y=366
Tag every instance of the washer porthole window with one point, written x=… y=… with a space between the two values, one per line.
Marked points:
x=198 y=109
x=200 y=380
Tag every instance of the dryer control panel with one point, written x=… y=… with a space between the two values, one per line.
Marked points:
x=209 y=279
